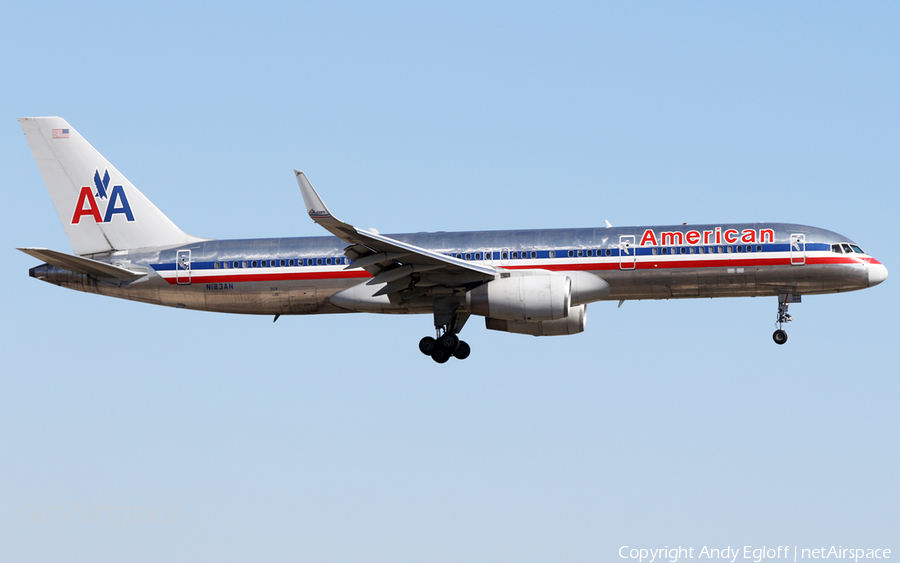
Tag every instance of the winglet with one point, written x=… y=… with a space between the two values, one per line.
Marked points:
x=314 y=204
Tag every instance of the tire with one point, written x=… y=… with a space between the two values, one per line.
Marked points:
x=440 y=355
x=450 y=342
x=780 y=337
x=427 y=345
x=462 y=351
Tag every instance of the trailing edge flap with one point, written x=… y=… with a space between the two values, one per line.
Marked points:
x=409 y=253
x=83 y=265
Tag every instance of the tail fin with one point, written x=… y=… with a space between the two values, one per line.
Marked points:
x=99 y=208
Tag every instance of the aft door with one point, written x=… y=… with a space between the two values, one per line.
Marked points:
x=798 y=249
x=183 y=267
x=627 y=251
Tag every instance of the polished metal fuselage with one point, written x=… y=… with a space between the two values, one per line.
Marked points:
x=308 y=271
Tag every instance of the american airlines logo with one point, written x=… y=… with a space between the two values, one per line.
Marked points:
x=710 y=236
x=116 y=201
x=313 y=213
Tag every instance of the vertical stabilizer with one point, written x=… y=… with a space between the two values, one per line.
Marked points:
x=99 y=208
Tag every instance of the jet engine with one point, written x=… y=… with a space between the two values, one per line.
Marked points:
x=572 y=324
x=539 y=297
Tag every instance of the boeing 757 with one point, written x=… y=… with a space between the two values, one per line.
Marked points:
x=536 y=282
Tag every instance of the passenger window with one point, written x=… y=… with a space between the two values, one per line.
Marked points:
x=589 y=252
x=504 y=256
x=244 y=264
x=653 y=251
x=318 y=261
x=552 y=254
x=759 y=248
x=282 y=263
x=478 y=256
x=571 y=253
x=236 y=264
x=253 y=264
x=216 y=265
x=533 y=254
x=225 y=265
x=740 y=248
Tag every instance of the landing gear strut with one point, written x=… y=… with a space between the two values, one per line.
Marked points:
x=784 y=299
x=447 y=323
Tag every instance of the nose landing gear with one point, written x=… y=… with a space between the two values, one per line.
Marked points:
x=784 y=299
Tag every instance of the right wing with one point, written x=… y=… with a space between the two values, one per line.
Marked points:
x=406 y=269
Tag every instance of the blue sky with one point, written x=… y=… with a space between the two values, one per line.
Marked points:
x=330 y=438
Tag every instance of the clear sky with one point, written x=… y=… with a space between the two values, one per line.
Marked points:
x=331 y=438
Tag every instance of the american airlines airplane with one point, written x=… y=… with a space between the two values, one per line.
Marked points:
x=536 y=282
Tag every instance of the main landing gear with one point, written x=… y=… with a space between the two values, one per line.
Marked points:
x=447 y=323
x=780 y=336
x=442 y=348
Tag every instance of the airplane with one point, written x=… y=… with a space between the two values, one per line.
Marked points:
x=534 y=282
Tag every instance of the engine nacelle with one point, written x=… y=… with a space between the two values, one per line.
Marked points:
x=572 y=324
x=525 y=297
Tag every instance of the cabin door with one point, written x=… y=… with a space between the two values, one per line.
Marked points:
x=798 y=249
x=627 y=252
x=183 y=267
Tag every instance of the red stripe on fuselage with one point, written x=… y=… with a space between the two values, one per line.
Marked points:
x=686 y=264
x=608 y=266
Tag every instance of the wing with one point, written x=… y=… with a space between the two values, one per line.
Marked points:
x=406 y=269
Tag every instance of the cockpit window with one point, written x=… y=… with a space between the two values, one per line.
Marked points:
x=857 y=249
x=836 y=248
x=846 y=247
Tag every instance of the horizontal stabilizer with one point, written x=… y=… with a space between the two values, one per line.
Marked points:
x=83 y=265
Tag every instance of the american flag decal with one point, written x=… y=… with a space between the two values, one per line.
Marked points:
x=60 y=133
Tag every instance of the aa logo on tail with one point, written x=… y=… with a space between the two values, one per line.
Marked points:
x=87 y=201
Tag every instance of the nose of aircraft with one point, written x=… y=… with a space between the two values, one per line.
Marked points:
x=877 y=273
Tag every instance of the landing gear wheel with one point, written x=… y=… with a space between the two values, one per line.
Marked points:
x=462 y=351
x=780 y=336
x=450 y=341
x=440 y=355
x=427 y=345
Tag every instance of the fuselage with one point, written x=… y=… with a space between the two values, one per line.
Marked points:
x=279 y=276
